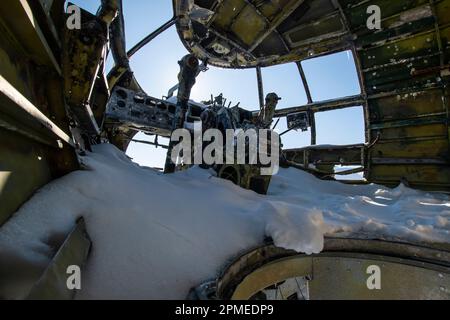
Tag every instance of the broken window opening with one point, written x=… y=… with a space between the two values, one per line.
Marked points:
x=350 y=174
x=293 y=139
x=292 y=92
x=238 y=86
x=135 y=30
x=151 y=58
x=147 y=155
x=332 y=76
x=346 y=125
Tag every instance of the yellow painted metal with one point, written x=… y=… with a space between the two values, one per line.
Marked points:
x=345 y=277
x=273 y=273
x=24 y=167
x=32 y=109
x=407 y=271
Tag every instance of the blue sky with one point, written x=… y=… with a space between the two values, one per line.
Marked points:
x=156 y=69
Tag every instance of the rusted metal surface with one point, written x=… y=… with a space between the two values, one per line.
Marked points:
x=426 y=267
x=257 y=33
x=322 y=160
x=340 y=155
x=84 y=53
x=322 y=106
x=53 y=91
x=36 y=145
x=403 y=72
x=8 y=92
x=402 y=68
x=128 y=109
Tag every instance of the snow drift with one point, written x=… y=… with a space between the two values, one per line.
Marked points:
x=156 y=236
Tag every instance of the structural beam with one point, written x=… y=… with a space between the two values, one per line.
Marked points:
x=151 y=36
x=321 y=106
x=304 y=81
x=11 y=93
x=25 y=25
x=260 y=88
x=291 y=7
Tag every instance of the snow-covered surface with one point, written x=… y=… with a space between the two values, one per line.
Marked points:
x=156 y=236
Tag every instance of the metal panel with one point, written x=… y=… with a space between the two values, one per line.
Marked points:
x=33 y=114
x=344 y=277
x=408 y=271
x=74 y=252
